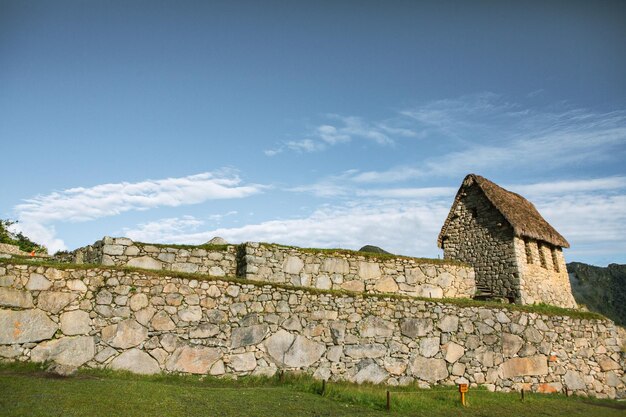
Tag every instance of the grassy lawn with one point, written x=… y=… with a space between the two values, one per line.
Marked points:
x=28 y=391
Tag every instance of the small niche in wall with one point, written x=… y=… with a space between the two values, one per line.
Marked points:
x=542 y=255
x=529 y=252
x=555 y=260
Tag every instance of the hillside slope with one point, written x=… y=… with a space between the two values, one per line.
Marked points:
x=600 y=289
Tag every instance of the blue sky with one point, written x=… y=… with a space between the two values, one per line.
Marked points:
x=323 y=124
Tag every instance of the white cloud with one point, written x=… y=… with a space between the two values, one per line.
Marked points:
x=403 y=229
x=345 y=130
x=88 y=203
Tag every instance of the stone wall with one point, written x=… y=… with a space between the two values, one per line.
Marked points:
x=544 y=277
x=214 y=260
x=357 y=272
x=289 y=265
x=480 y=236
x=146 y=323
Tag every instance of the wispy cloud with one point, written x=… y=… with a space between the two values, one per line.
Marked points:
x=341 y=130
x=488 y=134
x=83 y=204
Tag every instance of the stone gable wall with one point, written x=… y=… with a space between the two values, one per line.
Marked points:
x=133 y=320
x=543 y=284
x=354 y=272
x=480 y=236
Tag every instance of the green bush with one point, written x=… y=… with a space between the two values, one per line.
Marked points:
x=18 y=239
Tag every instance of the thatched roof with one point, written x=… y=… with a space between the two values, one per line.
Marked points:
x=519 y=212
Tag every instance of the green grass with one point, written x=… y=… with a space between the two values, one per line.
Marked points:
x=544 y=309
x=28 y=391
x=206 y=246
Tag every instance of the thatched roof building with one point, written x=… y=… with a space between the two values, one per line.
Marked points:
x=515 y=252
x=519 y=212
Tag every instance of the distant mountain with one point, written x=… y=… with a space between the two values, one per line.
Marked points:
x=600 y=289
x=373 y=249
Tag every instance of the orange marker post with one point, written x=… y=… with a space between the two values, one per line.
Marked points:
x=463 y=388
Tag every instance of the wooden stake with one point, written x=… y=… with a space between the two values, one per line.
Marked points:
x=388 y=401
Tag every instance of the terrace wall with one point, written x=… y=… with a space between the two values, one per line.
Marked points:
x=147 y=323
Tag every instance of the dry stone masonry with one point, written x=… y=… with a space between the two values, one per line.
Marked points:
x=214 y=260
x=357 y=272
x=149 y=323
x=351 y=271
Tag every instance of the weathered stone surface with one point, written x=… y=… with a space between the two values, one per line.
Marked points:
x=75 y=322
x=25 y=326
x=137 y=361
x=574 y=381
x=244 y=362
x=374 y=326
x=335 y=266
x=15 y=298
x=138 y=301
x=416 y=327
x=126 y=334
x=188 y=267
x=429 y=346
x=369 y=270
x=608 y=364
x=303 y=352
x=353 y=285
x=452 y=352
x=511 y=344
x=162 y=322
x=54 y=302
x=395 y=366
x=216 y=271
x=72 y=351
x=193 y=360
x=9 y=352
x=449 y=324
x=204 y=330
x=430 y=370
x=193 y=313
x=386 y=285
x=113 y=249
x=366 y=351
x=533 y=365
x=145 y=262
x=292 y=265
x=38 y=282
x=323 y=282
x=250 y=335
x=105 y=354
x=429 y=291
x=76 y=285
x=293 y=351
x=370 y=372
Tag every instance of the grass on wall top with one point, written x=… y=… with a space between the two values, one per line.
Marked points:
x=369 y=255
x=543 y=309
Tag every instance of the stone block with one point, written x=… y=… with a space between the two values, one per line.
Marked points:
x=193 y=360
x=71 y=351
x=10 y=297
x=25 y=326
x=533 y=365
x=137 y=361
x=145 y=262
x=75 y=322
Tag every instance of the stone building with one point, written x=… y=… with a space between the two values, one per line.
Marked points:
x=516 y=254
